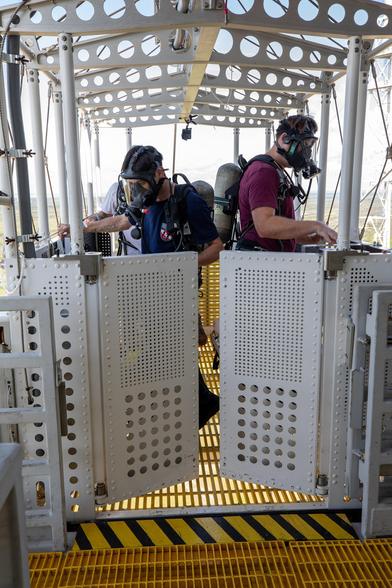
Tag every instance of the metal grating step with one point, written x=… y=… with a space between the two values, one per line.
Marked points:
x=268 y=564
x=216 y=529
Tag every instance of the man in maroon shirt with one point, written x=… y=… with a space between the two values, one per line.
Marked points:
x=266 y=216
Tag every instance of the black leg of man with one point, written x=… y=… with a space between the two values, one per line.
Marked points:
x=208 y=402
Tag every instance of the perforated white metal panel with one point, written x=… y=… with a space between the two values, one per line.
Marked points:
x=61 y=279
x=271 y=308
x=365 y=269
x=149 y=372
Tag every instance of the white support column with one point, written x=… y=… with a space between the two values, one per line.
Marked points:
x=350 y=112
x=358 y=152
x=387 y=213
x=174 y=148
x=268 y=137
x=7 y=210
x=128 y=136
x=96 y=161
x=38 y=148
x=60 y=153
x=236 y=145
x=323 y=154
x=85 y=129
x=71 y=143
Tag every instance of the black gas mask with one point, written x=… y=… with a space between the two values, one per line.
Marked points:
x=299 y=154
x=138 y=177
x=140 y=186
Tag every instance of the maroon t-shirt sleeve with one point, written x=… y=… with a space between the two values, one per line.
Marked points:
x=263 y=187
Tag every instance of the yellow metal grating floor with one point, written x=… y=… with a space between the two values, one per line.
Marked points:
x=268 y=564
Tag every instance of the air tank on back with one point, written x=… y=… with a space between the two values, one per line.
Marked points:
x=227 y=175
x=206 y=191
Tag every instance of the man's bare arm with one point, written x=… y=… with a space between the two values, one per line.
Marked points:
x=111 y=224
x=211 y=253
x=270 y=226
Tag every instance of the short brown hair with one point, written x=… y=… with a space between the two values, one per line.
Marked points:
x=297 y=124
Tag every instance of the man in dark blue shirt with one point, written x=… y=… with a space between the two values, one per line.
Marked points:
x=167 y=219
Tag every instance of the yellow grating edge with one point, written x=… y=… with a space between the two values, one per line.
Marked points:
x=380 y=551
x=44 y=569
x=255 y=564
x=336 y=563
x=210 y=490
x=218 y=565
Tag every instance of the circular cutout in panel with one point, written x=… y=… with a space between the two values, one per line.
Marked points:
x=125 y=49
x=133 y=75
x=332 y=59
x=287 y=81
x=98 y=80
x=233 y=73
x=213 y=70
x=276 y=9
x=361 y=17
x=83 y=55
x=250 y=46
x=224 y=42
x=336 y=13
x=382 y=21
x=151 y=46
x=238 y=95
x=315 y=57
x=35 y=16
x=296 y=54
x=253 y=76
x=274 y=50
x=271 y=79
x=108 y=98
x=153 y=73
x=147 y=7
x=114 y=8
x=308 y=9
x=59 y=14
x=85 y=11
x=240 y=6
x=103 y=52
x=114 y=78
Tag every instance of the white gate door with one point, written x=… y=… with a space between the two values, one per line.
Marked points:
x=149 y=372
x=271 y=317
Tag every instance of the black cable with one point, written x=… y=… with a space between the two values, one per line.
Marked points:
x=379 y=101
x=334 y=196
x=373 y=199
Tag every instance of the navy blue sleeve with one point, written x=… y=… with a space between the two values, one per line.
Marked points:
x=202 y=227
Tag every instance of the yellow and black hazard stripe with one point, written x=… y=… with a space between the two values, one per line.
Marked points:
x=217 y=529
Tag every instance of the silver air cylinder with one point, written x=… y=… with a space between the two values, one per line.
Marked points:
x=206 y=191
x=227 y=175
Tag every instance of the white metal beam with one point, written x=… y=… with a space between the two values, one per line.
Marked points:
x=355 y=18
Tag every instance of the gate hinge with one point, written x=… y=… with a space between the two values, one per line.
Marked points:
x=17 y=153
x=11 y=58
x=322 y=485
x=100 y=492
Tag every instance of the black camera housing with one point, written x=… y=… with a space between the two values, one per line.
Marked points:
x=186 y=134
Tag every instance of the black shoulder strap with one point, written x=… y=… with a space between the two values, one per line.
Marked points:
x=283 y=186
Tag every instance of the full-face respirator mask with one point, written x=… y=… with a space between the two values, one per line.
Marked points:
x=139 y=184
x=299 y=154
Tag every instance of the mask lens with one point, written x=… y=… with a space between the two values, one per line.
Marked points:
x=131 y=189
x=309 y=142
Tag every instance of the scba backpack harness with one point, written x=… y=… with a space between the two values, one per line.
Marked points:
x=286 y=188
